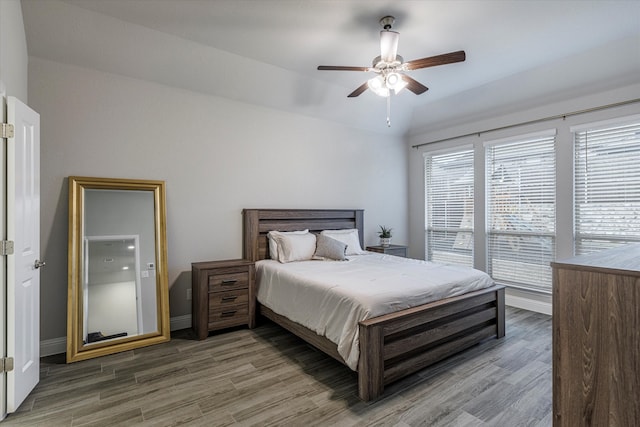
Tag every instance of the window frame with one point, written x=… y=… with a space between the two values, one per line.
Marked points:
x=602 y=129
x=464 y=235
x=519 y=234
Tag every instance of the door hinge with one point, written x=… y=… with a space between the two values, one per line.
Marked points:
x=7 y=130
x=6 y=364
x=6 y=247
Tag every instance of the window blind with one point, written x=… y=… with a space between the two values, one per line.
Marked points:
x=521 y=211
x=606 y=187
x=449 y=207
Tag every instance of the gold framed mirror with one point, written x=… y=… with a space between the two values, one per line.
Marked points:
x=118 y=295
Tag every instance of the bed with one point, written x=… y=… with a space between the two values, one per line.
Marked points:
x=394 y=345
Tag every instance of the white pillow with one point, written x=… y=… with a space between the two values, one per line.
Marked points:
x=329 y=248
x=295 y=247
x=273 y=244
x=348 y=236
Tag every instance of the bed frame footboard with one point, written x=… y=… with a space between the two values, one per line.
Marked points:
x=398 y=344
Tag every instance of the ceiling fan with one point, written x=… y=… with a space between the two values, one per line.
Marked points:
x=390 y=67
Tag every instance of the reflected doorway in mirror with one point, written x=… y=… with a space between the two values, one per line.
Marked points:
x=113 y=279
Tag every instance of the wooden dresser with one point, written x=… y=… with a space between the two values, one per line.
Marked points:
x=596 y=339
x=223 y=295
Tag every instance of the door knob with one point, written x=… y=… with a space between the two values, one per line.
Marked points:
x=39 y=264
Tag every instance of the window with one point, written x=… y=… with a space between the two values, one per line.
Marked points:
x=449 y=207
x=521 y=195
x=606 y=186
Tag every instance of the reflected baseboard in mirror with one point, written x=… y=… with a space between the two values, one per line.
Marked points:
x=118 y=296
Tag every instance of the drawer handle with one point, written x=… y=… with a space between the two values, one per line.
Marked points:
x=229 y=299
x=228 y=313
x=229 y=282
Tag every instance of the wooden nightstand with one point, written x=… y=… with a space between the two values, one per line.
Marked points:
x=397 y=250
x=223 y=295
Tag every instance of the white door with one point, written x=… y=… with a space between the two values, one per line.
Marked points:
x=3 y=265
x=23 y=274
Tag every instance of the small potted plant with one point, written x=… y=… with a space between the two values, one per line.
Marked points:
x=385 y=236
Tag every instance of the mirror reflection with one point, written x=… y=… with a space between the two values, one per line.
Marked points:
x=118 y=296
x=113 y=280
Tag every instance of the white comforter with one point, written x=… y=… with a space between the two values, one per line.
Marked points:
x=331 y=297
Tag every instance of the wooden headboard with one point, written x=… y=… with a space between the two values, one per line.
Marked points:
x=258 y=222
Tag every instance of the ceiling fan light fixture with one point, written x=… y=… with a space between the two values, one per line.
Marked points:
x=396 y=82
x=393 y=79
x=378 y=86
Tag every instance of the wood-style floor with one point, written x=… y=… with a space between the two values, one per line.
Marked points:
x=266 y=376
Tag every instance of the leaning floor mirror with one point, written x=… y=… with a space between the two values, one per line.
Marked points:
x=118 y=297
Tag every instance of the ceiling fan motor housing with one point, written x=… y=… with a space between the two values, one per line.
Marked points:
x=387 y=22
x=379 y=64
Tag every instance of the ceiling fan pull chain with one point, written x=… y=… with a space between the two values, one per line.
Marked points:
x=389 y=110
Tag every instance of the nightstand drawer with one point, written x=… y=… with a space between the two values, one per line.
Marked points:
x=225 y=316
x=228 y=281
x=396 y=250
x=240 y=296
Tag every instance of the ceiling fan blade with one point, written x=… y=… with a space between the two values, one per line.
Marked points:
x=358 y=91
x=341 y=68
x=414 y=85
x=432 y=61
x=388 y=45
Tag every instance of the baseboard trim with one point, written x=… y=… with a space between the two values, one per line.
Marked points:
x=180 y=322
x=53 y=346
x=525 y=303
x=59 y=345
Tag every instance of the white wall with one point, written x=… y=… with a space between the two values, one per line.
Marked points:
x=13 y=50
x=217 y=157
x=564 y=226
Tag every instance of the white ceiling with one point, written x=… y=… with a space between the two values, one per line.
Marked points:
x=265 y=52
